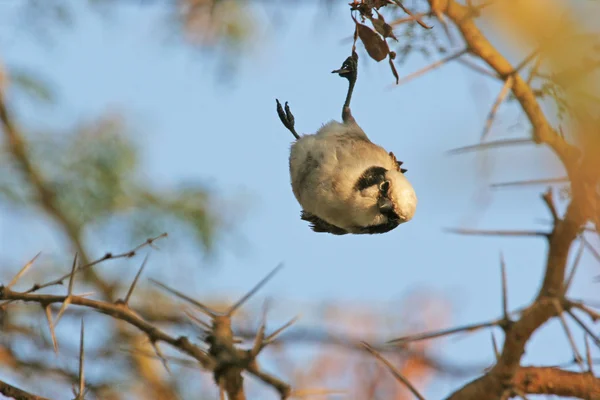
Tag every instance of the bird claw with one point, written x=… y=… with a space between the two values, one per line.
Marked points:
x=287 y=118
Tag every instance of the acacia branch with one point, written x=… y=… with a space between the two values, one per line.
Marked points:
x=16 y=393
x=557 y=382
x=492 y=385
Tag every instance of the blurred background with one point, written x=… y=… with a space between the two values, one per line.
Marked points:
x=151 y=116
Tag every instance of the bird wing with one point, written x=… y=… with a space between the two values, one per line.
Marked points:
x=319 y=225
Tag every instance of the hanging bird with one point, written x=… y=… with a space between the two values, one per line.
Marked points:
x=344 y=182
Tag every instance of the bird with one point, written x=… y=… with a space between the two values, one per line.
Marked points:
x=345 y=183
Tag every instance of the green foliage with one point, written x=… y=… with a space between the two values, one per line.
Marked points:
x=94 y=172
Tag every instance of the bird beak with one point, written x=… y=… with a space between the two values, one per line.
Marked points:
x=385 y=206
x=340 y=71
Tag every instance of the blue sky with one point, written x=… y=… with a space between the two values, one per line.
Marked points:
x=194 y=126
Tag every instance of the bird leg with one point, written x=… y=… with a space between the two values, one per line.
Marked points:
x=287 y=118
x=349 y=71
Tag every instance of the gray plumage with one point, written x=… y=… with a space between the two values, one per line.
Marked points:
x=344 y=182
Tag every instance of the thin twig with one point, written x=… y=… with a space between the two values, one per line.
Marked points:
x=431 y=67
x=393 y=370
x=107 y=256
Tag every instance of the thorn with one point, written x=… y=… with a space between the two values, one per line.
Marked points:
x=495 y=233
x=432 y=66
x=584 y=327
x=527 y=60
x=445 y=332
x=508 y=83
x=135 y=280
x=531 y=182
x=416 y=17
x=259 y=339
x=574 y=268
x=442 y=18
x=160 y=355
x=393 y=370
x=495 y=346
x=107 y=256
x=197 y=320
x=588 y=354
x=269 y=339
x=309 y=393
x=81 y=360
x=504 y=289
x=252 y=291
x=188 y=363
x=549 y=200
x=208 y=311
x=22 y=271
x=477 y=68
x=576 y=355
x=490 y=145
x=48 y=313
x=590 y=248
x=67 y=300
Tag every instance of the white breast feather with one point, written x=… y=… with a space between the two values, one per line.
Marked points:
x=324 y=168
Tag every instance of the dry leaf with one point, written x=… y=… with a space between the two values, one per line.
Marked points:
x=382 y=27
x=375 y=45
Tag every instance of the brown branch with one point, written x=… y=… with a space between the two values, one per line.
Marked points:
x=553 y=381
x=118 y=312
x=16 y=393
x=480 y=46
x=492 y=385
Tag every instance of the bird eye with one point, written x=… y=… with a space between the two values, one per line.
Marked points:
x=384 y=187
